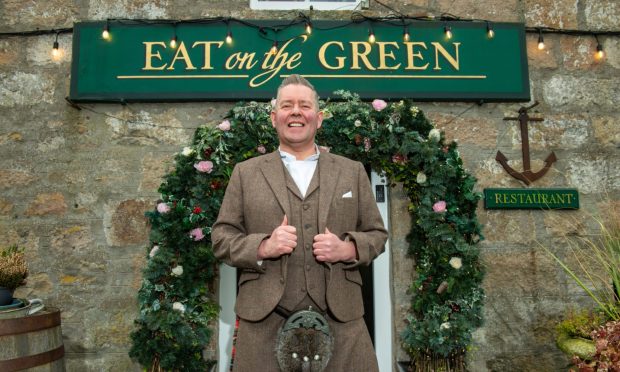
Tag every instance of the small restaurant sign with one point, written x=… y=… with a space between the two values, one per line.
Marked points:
x=137 y=63
x=531 y=199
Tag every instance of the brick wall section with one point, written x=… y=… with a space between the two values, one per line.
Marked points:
x=75 y=184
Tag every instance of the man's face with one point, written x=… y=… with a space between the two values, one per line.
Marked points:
x=296 y=118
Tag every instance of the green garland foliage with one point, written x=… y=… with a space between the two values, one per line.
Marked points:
x=178 y=308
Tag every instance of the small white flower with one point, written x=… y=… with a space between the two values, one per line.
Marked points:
x=357 y=123
x=445 y=325
x=434 y=134
x=187 y=151
x=177 y=270
x=456 y=262
x=178 y=307
x=154 y=251
x=421 y=178
x=414 y=110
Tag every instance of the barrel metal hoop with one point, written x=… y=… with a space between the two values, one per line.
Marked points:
x=32 y=323
x=31 y=361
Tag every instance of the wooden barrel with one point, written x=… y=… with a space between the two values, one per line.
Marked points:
x=32 y=343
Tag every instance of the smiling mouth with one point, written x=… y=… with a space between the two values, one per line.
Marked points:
x=295 y=125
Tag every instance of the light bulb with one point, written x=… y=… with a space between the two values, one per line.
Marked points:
x=490 y=31
x=173 y=42
x=229 y=38
x=371 y=36
x=106 y=32
x=448 y=32
x=406 y=36
x=541 y=42
x=308 y=28
x=55 y=51
x=599 y=52
x=274 y=48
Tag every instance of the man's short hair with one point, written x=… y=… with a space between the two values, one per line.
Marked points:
x=296 y=79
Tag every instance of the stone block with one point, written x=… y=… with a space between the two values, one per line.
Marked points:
x=10 y=138
x=561 y=131
x=6 y=207
x=478 y=131
x=495 y=10
x=39 y=50
x=561 y=224
x=591 y=173
x=507 y=226
x=521 y=272
x=8 y=53
x=147 y=129
x=15 y=177
x=125 y=223
x=46 y=204
x=578 y=53
x=551 y=13
x=154 y=167
x=21 y=88
x=27 y=15
x=611 y=46
x=578 y=93
x=606 y=130
x=147 y=9
x=602 y=14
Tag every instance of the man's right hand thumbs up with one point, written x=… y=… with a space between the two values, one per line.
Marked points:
x=282 y=241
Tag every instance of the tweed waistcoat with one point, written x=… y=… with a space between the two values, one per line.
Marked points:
x=305 y=276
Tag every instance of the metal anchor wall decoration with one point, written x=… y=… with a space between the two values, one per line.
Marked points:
x=527 y=175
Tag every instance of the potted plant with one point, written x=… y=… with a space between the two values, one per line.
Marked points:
x=592 y=338
x=13 y=272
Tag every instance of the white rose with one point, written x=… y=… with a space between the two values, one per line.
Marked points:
x=445 y=325
x=178 y=307
x=154 y=251
x=187 y=151
x=177 y=270
x=421 y=178
x=434 y=134
x=456 y=262
x=357 y=123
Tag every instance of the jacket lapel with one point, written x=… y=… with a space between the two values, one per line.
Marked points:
x=328 y=179
x=273 y=171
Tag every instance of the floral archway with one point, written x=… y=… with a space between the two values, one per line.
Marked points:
x=178 y=308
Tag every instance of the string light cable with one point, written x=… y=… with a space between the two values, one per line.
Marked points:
x=304 y=24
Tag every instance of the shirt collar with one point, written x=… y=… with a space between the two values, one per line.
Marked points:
x=289 y=157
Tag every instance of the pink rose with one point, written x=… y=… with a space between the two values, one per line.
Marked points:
x=196 y=234
x=440 y=206
x=367 y=144
x=204 y=166
x=163 y=208
x=379 y=104
x=224 y=126
x=261 y=149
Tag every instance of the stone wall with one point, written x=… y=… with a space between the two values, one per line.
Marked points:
x=74 y=184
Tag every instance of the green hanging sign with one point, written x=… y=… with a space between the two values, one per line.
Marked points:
x=531 y=199
x=137 y=63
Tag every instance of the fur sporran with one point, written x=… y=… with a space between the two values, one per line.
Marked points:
x=304 y=343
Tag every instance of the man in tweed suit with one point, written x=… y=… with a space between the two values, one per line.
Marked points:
x=298 y=224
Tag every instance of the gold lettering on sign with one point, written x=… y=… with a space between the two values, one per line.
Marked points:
x=411 y=56
x=452 y=60
x=340 y=60
x=207 y=53
x=273 y=63
x=149 y=55
x=182 y=54
x=357 y=55
x=240 y=61
x=383 y=55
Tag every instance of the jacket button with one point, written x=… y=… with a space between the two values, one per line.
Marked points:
x=303 y=290
x=307 y=267
x=281 y=280
x=306 y=206
x=307 y=226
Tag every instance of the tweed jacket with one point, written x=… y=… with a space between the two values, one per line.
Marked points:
x=254 y=205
